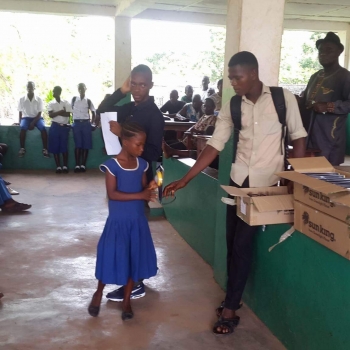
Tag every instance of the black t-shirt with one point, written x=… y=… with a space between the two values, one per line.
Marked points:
x=172 y=108
x=146 y=114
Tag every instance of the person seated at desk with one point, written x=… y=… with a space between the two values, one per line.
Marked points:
x=211 y=91
x=190 y=111
x=204 y=126
x=173 y=105
x=188 y=94
x=217 y=97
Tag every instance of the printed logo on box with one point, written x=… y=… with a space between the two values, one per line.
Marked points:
x=317 y=228
x=318 y=195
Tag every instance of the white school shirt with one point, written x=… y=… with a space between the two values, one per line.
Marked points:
x=81 y=108
x=259 y=147
x=55 y=106
x=30 y=108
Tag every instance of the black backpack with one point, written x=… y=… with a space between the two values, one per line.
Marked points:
x=280 y=106
x=74 y=99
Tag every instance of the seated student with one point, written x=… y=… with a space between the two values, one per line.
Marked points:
x=3 y=150
x=30 y=108
x=82 y=127
x=211 y=91
x=59 y=110
x=217 y=97
x=7 y=204
x=190 y=111
x=204 y=126
x=187 y=98
x=173 y=105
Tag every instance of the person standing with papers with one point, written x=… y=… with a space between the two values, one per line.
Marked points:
x=142 y=111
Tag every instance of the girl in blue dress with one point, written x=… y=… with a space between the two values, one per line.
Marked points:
x=125 y=251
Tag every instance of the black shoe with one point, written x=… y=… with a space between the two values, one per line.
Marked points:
x=77 y=169
x=65 y=170
x=58 y=170
x=118 y=294
x=82 y=168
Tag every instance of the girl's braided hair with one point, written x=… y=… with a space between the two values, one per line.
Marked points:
x=130 y=129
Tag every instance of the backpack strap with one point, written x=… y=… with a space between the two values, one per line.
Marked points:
x=280 y=106
x=75 y=98
x=73 y=101
x=236 y=115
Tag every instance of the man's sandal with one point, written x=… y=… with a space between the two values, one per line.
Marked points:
x=220 y=309
x=226 y=325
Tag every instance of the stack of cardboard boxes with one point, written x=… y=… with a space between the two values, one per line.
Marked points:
x=321 y=209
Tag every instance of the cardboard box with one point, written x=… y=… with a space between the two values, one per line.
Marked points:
x=273 y=206
x=326 y=230
x=323 y=196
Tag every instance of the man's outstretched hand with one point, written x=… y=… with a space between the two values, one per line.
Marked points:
x=170 y=189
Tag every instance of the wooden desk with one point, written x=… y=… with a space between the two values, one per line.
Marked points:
x=177 y=126
x=201 y=142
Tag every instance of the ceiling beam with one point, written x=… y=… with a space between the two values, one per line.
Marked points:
x=314 y=25
x=56 y=7
x=183 y=16
x=131 y=8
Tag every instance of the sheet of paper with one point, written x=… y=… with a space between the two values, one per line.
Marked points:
x=112 y=143
x=243 y=207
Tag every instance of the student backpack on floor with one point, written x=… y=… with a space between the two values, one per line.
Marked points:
x=280 y=106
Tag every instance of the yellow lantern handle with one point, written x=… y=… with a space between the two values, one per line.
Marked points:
x=159 y=178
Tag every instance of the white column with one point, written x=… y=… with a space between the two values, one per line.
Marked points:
x=255 y=26
x=122 y=50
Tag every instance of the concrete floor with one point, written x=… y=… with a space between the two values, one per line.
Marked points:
x=47 y=260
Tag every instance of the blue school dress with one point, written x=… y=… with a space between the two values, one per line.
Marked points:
x=126 y=248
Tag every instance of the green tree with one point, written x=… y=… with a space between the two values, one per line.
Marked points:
x=299 y=59
x=211 y=61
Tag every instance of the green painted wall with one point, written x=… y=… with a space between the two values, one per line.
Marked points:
x=193 y=213
x=301 y=291
x=348 y=136
x=34 y=158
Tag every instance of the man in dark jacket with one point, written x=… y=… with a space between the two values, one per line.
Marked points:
x=142 y=111
x=327 y=99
